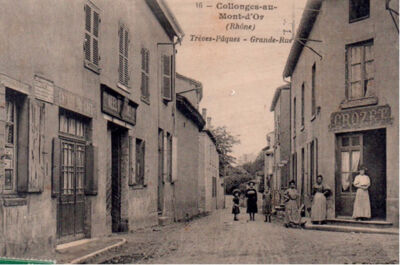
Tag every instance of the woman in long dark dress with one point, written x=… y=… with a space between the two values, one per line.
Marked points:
x=251 y=195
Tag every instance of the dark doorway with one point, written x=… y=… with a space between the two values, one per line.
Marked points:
x=116 y=138
x=375 y=161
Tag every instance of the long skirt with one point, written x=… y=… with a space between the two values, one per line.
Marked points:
x=252 y=206
x=318 y=208
x=292 y=214
x=362 y=206
x=267 y=208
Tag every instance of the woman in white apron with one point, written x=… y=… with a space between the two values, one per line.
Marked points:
x=362 y=206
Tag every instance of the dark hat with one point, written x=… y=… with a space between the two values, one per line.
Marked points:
x=235 y=191
x=252 y=181
x=292 y=181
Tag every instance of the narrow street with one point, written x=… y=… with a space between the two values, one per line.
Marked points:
x=217 y=239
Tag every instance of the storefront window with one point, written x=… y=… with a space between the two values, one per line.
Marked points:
x=350 y=161
x=72 y=124
x=72 y=128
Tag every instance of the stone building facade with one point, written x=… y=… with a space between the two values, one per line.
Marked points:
x=344 y=95
x=189 y=124
x=86 y=95
x=281 y=107
x=211 y=182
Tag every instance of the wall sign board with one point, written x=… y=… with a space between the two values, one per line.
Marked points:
x=361 y=118
x=118 y=106
x=76 y=103
x=44 y=89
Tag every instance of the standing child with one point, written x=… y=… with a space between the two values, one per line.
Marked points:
x=235 y=207
x=267 y=204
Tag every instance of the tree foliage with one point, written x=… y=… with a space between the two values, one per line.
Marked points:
x=257 y=165
x=225 y=143
x=235 y=179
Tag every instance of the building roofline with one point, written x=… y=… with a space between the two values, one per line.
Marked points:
x=189 y=111
x=307 y=21
x=277 y=95
x=211 y=135
x=192 y=81
x=166 y=18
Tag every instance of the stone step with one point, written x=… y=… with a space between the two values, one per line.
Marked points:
x=165 y=220
x=355 y=223
x=349 y=229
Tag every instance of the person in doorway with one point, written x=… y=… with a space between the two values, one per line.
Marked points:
x=292 y=212
x=318 y=208
x=251 y=195
x=362 y=206
x=267 y=204
x=235 y=207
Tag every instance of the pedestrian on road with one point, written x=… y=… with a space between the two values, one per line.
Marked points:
x=267 y=204
x=251 y=195
x=292 y=213
x=318 y=208
x=235 y=207
x=362 y=206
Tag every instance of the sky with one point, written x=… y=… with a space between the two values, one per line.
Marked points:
x=239 y=78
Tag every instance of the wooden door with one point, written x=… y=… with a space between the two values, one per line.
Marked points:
x=116 y=180
x=349 y=156
x=71 y=205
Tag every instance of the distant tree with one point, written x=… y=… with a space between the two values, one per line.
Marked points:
x=257 y=165
x=225 y=142
x=235 y=177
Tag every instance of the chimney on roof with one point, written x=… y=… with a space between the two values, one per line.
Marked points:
x=208 y=122
x=204 y=113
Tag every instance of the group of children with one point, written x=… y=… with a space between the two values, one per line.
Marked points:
x=266 y=206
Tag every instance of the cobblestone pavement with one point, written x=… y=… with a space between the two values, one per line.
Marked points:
x=217 y=239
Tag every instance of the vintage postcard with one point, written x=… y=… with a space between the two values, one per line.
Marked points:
x=199 y=131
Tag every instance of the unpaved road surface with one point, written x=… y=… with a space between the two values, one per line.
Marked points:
x=218 y=239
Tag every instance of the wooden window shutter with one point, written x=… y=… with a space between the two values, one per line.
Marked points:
x=143 y=54
x=147 y=61
x=87 y=45
x=132 y=161
x=165 y=150
x=88 y=18
x=316 y=156
x=55 y=168
x=166 y=77
x=95 y=51
x=126 y=64
x=36 y=146
x=96 y=20
x=174 y=158
x=95 y=32
x=172 y=76
x=142 y=159
x=91 y=176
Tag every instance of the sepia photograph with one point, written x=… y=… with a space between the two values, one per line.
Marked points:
x=199 y=132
